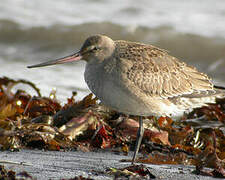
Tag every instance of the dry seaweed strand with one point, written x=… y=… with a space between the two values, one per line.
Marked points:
x=5 y=81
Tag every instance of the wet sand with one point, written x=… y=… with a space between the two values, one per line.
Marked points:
x=57 y=165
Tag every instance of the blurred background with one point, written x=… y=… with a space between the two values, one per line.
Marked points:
x=33 y=31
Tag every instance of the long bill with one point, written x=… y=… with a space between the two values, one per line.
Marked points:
x=74 y=57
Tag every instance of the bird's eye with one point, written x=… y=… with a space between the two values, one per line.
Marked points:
x=94 y=49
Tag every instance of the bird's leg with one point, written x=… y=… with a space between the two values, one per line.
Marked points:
x=138 y=138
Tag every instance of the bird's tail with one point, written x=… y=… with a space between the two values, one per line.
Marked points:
x=198 y=100
x=220 y=92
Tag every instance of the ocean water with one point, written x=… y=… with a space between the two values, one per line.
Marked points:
x=37 y=30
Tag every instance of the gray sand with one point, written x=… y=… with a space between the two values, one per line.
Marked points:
x=56 y=165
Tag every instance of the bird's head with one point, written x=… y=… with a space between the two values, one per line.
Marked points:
x=95 y=49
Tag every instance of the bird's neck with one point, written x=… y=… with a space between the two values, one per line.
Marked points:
x=92 y=75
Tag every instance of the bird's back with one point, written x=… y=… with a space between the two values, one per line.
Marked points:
x=154 y=76
x=157 y=73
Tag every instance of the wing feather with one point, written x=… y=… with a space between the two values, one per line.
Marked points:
x=157 y=73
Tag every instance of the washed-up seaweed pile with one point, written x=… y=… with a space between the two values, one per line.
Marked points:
x=41 y=122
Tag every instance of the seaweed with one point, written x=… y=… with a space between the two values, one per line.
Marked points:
x=42 y=122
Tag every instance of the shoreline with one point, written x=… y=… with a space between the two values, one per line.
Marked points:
x=58 y=165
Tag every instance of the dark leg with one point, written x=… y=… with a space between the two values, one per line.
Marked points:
x=138 y=138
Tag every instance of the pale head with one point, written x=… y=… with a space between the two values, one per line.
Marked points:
x=95 y=49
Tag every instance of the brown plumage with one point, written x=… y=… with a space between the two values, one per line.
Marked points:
x=140 y=79
x=154 y=76
x=157 y=73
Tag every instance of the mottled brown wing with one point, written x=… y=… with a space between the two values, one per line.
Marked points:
x=157 y=73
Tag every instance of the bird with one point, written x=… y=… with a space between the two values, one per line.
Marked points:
x=141 y=79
